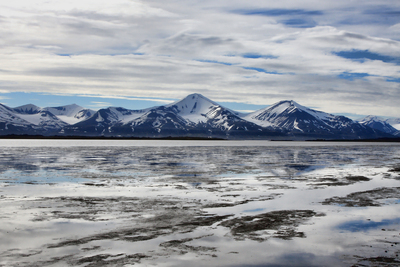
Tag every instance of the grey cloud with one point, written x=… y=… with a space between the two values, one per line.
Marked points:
x=384 y=10
x=190 y=45
x=74 y=72
x=86 y=28
x=206 y=31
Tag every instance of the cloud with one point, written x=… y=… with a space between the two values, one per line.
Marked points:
x=99 y=105
x=164 y=101
x=230 y=51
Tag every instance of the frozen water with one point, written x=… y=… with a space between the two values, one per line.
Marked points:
x=215 y=203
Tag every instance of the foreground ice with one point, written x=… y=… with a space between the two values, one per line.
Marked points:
x=277 y=204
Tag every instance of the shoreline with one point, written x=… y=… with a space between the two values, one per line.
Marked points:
x=194 y=138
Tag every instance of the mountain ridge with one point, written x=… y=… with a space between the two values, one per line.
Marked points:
x=193 y=116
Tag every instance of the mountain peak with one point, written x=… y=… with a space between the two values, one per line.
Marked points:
x=193 y=104
x=378 y=123
x=28 y=109
x=290 y=103
x=370 y=118
x=197 y=97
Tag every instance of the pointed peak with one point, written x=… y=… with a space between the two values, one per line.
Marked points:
x=197 y=96
x=192 y=99
x=289 y=104
x=371 y=117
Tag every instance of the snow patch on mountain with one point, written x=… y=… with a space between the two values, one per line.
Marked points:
x=197 y=108
x=71 y=114
x=379 y=124
x=27 y=109
x=8 y=115
x=395 y=122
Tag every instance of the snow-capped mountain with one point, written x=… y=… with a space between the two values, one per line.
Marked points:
x=52 y=119
x=394 y=122
x=193 y=116
x=33 y=120
x=160 y=121
x=45 y=120
x=209 y=116
x=379 y=124
x=11 y=123
x=298 y=120
x=100 y=122
x=197 y=108
x=71 y=114
x=27 y=109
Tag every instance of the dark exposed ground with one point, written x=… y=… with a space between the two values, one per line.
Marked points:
x=365 y=198
x=282 y=222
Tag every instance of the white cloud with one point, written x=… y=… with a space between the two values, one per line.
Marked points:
x=99 y=105
x=162 y=50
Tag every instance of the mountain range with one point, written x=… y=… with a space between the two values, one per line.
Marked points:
x=193 y=116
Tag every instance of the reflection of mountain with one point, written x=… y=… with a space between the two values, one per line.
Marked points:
x=193 y=116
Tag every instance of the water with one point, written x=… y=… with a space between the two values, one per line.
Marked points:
x=203 y=203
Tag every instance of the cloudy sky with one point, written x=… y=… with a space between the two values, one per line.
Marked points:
x=339 y=56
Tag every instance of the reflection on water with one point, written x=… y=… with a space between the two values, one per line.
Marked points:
x=272 y=204
x=356 y=226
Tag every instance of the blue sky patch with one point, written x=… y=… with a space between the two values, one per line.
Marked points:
x=214 y=61
x=299 y=23
x=279 y=12
x=93 y=102
x=352 y=75
x=393 y=80
x=261 y=70
x=362 y=55
x=255 y=55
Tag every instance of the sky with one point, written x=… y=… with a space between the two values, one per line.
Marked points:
x=341 y=57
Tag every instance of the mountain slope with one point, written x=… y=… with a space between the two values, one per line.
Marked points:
x=27 y=109
x=302 y=121
x=394 y=122
x=160 y=121
x=11 y=123
x=212 y=119
x=46 y=121
x=71 y=114
x=102 y=121
x=379 y=124
x=195 y=108
x=194 y=116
